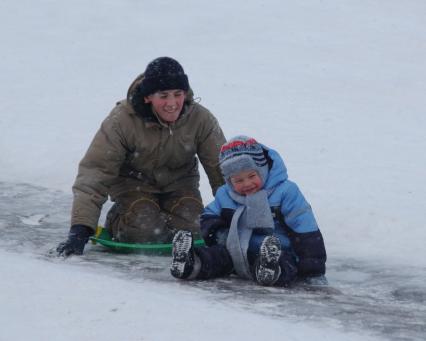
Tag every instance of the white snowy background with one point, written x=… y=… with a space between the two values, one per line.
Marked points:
x=337 y=87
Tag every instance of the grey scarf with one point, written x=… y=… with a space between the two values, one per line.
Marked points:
x=253 y=212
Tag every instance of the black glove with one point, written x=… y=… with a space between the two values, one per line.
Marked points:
x=209 y=226
x=77 y=239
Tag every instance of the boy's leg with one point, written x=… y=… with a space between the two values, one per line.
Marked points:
x=215 y=261
x=137 y=218
x=288 y=269
x=198 y=263
x=183 y=209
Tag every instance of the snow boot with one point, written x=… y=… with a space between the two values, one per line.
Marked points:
x=183 y=255
x=268 y=269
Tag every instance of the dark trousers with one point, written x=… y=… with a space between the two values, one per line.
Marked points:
x=216 y=262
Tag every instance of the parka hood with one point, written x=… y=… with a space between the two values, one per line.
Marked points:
x=278 y=172
x=133 y=86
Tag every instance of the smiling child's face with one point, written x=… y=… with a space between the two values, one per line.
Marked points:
x=246 y=182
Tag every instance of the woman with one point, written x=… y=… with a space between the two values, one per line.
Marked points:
x=144 y=157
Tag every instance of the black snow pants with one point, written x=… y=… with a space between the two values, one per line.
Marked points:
x=216 y=262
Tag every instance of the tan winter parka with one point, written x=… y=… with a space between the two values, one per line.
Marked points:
x=134 y=153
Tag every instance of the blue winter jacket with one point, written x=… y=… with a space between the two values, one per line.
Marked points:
x=295 y=224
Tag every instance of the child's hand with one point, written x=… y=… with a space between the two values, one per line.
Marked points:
x=209 y=229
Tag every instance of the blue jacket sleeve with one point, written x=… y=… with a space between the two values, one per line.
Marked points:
x=305 y=236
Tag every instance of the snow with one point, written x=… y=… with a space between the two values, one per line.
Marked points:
x=55 y=305
x=338 y=88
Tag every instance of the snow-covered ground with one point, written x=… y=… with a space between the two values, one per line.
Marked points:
x=338 y=88
x=42 y=301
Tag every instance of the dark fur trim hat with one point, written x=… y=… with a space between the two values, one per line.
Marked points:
x=163 y=73
x=243 y=153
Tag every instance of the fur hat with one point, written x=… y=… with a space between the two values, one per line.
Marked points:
x=163 y=73
x=243 y=153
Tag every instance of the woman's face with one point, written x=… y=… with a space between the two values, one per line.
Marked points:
x=167 y=104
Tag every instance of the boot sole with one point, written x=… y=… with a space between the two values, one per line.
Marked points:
x=182 y=244
x=268 y=269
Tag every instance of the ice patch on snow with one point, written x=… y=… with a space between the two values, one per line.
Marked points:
x=34 y=219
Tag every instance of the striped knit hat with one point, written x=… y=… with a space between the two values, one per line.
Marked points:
x=242 y=153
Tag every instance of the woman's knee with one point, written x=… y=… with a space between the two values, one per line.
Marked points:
x=184 y=212
x=141 y=221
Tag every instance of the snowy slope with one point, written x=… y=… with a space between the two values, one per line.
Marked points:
x=337 y=87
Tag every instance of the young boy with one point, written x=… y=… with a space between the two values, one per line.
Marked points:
x=259 y=225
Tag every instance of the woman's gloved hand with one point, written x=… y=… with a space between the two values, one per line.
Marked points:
x=77 y=239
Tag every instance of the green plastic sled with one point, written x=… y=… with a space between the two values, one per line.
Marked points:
x=103 y=238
